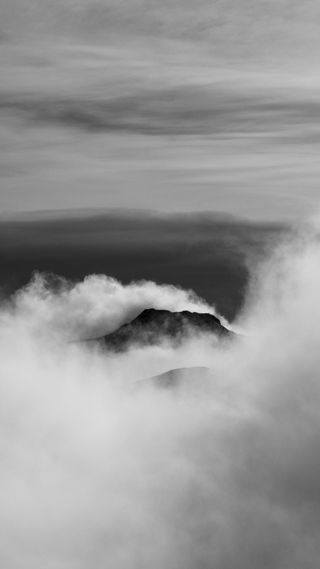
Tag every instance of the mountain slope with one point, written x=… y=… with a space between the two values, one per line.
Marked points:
x=197 y=378
x=152 y=326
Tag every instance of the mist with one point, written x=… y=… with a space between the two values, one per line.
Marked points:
x=100 y=468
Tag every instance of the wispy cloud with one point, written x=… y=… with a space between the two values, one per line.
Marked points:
x=207 y=253
x=203 y=109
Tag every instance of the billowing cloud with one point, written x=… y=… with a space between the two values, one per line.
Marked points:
x=96 y=306
x=98 y=470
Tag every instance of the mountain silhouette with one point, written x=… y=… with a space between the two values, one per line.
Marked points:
x=153 y=326
x=196 y=378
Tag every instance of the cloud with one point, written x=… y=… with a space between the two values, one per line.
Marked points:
x=221 y=111
x=206 y=253
x=96 y=306
x=236 y=30
x=95 y=472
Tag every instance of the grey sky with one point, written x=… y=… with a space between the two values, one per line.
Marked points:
x=245 y=27
x=176 y=106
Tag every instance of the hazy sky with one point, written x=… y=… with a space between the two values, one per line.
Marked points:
x=173 y=106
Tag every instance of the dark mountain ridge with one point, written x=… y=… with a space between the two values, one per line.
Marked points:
x=152 y=326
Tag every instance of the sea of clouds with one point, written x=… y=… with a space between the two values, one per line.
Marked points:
x=101 y=470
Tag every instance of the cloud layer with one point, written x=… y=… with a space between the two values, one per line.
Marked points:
x=266 y=27
x=97 y=469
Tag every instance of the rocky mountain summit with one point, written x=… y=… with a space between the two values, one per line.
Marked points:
x=152 y=326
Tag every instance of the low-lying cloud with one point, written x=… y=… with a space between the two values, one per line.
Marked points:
x=96 y=472
x=96 y=306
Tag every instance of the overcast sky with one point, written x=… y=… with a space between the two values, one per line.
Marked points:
x=172 y=106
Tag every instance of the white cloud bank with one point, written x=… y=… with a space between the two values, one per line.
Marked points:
x=95 y=473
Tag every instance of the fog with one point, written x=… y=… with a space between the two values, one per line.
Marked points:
x=99 y=468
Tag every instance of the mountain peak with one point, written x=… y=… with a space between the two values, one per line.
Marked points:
x=152 y=326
